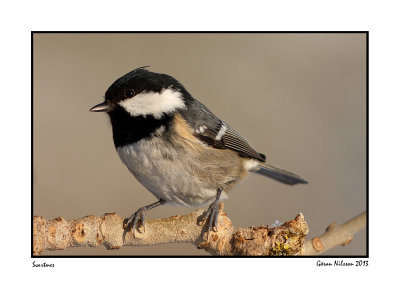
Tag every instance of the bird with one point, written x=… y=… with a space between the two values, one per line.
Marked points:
x=176 y=147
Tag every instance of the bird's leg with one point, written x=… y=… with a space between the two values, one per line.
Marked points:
x=212 y=214
x=140 y=214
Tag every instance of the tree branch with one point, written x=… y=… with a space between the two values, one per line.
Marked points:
x=286 y=239
x=335 y=235
x=91 y=231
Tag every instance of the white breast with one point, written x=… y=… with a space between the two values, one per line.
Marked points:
x=164 y=173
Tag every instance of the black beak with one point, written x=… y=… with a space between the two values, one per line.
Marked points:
x=101 y=107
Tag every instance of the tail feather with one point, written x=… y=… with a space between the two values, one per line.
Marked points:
x=279 y=175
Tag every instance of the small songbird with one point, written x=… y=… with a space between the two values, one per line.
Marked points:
x=176 y=147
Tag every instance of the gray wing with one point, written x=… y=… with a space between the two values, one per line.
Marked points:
x=216 y=133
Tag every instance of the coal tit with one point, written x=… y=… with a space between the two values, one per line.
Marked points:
x=176 y=147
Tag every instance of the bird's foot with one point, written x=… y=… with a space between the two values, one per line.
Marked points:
x=140 y=215
x=138 y=218
x=212 y=215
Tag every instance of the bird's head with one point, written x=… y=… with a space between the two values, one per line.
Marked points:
x=144 y=93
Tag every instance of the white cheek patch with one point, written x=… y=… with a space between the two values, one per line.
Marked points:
x=153 y=103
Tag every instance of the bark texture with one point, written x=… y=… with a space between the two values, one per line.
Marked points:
x=107 y=230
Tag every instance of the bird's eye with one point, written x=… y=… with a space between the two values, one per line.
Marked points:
x=129 y=93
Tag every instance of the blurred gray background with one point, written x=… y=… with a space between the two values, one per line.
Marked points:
x=299 y=98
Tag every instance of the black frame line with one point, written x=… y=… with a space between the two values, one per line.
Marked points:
x=209 y=32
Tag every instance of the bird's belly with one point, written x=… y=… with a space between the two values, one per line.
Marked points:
x=170 y=174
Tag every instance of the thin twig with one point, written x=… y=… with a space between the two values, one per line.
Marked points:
x=335 y=235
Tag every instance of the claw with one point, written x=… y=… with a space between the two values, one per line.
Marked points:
x=132 y=221
x=140 y=215
x=205 y=217
x=212 y=215
x=144 y=222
